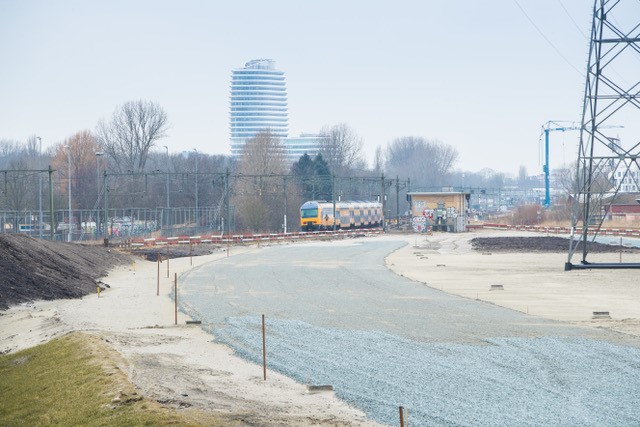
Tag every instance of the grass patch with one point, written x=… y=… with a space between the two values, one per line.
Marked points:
x=75 y=381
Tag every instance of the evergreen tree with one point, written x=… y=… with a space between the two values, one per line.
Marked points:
x=323 y=177
x=313 y=177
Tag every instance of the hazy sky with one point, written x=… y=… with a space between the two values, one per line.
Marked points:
x=477 y=75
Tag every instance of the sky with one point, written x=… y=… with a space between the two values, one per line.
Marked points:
x=482 y=77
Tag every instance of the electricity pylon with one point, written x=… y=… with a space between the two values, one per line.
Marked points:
x=611 y=95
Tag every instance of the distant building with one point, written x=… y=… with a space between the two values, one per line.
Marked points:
x=439 y=211
x=258 y=103
x=296 y=146
x=626 y=180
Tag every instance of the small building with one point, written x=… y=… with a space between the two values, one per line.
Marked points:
x=439 y=211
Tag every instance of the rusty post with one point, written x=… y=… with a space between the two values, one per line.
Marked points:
x=175 y=296
x=158 y=282
x=264 y=351
x=401 y=409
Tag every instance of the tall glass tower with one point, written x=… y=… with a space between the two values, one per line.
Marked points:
x=258 y=102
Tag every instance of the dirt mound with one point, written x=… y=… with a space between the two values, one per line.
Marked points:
x=35 y=269
x=151 y=254
x=537 y=244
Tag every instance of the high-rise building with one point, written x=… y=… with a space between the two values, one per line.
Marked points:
x=258 y=102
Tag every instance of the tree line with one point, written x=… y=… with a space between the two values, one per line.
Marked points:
x=125 y=155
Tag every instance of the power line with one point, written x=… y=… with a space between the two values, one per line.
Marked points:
x=573 y=20
x=586 y=37
x=547 y=39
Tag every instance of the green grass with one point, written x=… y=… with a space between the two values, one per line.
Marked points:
x=73 y=381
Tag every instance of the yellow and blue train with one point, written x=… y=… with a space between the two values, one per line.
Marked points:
x=319 y=215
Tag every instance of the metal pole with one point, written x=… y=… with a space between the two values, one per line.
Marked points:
x=226 y=192
x=175 y=296
x=69 y=238
x=397 y=202
x=167 y=176
x=106 y=209
x=547 y=196
x=384 y=228
x=40 y=224
x=158 y=279
x=196 y=151
x=285 y=204
x=408 y=191
x=333 y=196
x=51 y=219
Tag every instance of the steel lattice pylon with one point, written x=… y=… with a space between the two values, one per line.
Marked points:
x=607 y=167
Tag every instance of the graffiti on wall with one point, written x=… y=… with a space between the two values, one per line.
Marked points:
x=418 y=223
x=428 y=217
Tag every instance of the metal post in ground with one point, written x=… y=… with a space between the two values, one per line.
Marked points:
x=175 y=297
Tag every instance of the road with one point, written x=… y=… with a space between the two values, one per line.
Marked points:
x=336 y=315
x=346 y=285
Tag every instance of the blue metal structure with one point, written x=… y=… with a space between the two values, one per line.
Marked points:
x=547 y=128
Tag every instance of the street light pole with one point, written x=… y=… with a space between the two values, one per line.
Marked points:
x=98 y=155
x=196 y=151
x=97 y=219
x=40 y=223
x=167 y=175
x=69 y=188
x=168 y=215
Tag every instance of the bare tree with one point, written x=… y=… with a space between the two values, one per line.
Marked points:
x=426 y=163
x=132 y=133
x=378 y=161
x=341 y=147
x=259 y=196
x=19 y=185
x=80 y=150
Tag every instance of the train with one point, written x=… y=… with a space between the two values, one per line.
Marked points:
x=318 y=215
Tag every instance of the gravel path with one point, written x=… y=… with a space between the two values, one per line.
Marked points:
x=337 y=316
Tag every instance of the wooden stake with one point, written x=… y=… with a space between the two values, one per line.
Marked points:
x=620 y=249
x=175 y=296
x=167 y=264
x=190 y=252
x=158 y=284
x=264 y=351
x=401 y=410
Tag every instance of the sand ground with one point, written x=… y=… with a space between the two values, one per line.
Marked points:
x=533 y=283
x=177 y=365
x=181 y=366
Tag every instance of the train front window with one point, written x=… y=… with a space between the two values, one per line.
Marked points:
x=309 y=213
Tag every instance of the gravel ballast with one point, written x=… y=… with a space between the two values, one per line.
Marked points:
x=507 y=381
